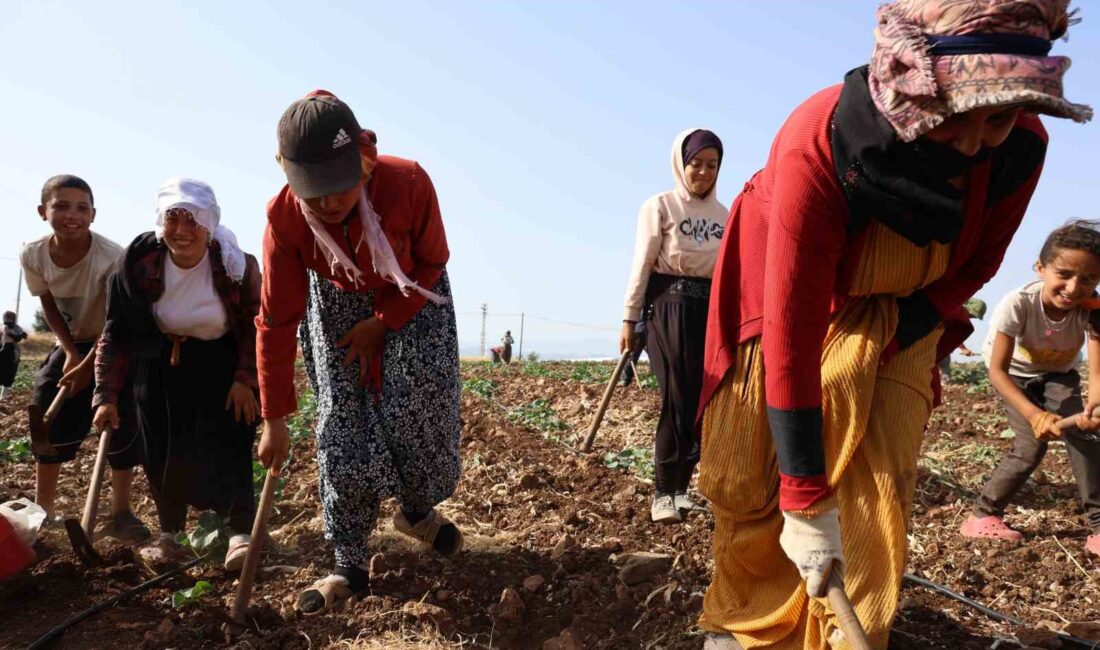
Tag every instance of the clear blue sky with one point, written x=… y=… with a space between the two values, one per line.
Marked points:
x=543 y=125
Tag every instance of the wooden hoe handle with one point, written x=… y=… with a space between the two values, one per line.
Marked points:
x=55 y=405
x=255 y=546
x=1071 y=420
x=91 y=505
x=846 y=616
x=595 y=426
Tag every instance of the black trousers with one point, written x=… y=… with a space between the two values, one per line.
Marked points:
x=197 y=454
x=74 y=420
x=675 y=343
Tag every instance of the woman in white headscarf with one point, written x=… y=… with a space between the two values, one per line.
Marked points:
x=678 y=236
x=180 y=317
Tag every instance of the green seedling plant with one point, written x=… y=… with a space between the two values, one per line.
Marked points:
x=209 y=537
x=538 y=415
x=636 y=459
x=972 y=375
x=535 y=369
x=15 y=451
x=24 y=377
x=300 y=424
x=483 y=388
x=591 y=373
x=186 y=597
x=299 y=427
x=259 y=475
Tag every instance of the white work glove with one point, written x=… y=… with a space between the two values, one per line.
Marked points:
x=813 y=544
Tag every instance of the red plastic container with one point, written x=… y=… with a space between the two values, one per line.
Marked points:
x=15 y=555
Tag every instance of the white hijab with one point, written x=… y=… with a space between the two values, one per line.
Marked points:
x=198 y=198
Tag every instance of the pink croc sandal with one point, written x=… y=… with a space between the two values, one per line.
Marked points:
x=1092 y=544
x=991 y=527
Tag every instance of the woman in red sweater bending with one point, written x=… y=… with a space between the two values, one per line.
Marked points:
x=886 y=202
x=355 y=251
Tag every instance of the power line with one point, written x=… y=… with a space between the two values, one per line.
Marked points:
x=484 y=314
x=571 y=324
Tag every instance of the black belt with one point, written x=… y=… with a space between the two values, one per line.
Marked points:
x=661 y=284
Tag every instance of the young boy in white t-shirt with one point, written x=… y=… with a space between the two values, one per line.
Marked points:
x=68 y=270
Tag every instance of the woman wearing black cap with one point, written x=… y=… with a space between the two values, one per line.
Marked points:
x=354 y=250
x=676 y=245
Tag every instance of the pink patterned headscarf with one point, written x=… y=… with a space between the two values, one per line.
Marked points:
x=916 y=90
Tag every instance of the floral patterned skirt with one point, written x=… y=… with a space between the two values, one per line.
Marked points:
x=401 y=442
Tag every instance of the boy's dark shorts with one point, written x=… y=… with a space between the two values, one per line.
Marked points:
x=74 y=421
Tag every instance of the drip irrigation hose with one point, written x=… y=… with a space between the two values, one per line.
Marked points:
x=95 y=609
x=997 y=616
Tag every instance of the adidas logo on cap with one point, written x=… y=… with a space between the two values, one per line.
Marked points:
x=341 y=139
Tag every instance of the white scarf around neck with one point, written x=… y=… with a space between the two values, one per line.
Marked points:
x=381 y=253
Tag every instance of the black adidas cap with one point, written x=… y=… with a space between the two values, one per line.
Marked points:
x=318 y=145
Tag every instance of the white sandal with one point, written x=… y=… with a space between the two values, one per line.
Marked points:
x=427 y=529
x=334 y=590
x=237 y=552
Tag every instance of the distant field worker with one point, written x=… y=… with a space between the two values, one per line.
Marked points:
x=1033 y=349
x=885 y=203
x=675 y=247
x=10 y=338
x=503 y=352
x=975 y=308
x=355 y=251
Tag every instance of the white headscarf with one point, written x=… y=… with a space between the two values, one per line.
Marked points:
x=198 y=198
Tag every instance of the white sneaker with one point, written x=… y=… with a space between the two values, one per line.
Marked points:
x=663 y=510
x=683 y=502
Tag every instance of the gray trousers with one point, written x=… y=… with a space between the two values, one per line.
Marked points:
x=1058 y=393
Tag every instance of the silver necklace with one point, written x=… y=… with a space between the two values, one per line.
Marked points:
x=1052 y=326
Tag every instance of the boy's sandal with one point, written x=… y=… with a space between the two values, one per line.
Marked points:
x=427 y=529
x=127 y=528
x=334 y=593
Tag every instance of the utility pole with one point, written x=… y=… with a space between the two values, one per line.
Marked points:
x=18 y=291
x=484 y=313
x=521 y=317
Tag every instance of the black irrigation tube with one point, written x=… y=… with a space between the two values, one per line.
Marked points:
x=95 y=609
x=997 y=616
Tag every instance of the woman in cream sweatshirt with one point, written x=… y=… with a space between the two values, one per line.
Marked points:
x=676 y=246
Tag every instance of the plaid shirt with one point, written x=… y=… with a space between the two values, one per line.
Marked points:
x=145 y=275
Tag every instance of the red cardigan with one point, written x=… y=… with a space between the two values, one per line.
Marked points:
x=787 y=258
x=404 y=196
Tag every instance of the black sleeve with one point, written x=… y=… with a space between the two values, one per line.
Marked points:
x=798 y=440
